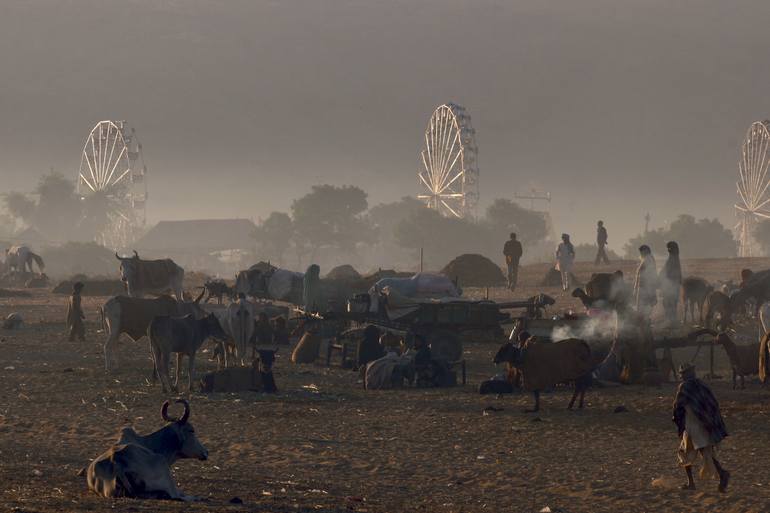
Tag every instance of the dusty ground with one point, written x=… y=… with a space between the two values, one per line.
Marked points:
x=324 y=444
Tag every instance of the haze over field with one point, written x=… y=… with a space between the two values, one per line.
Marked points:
x=616 y=108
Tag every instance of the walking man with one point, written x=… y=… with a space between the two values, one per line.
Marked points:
x=601 y=242
x=701 y=428
x=512 y=251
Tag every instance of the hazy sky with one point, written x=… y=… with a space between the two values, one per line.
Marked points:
x=615 y=107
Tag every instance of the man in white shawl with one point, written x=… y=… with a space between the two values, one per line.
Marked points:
x=646 y=283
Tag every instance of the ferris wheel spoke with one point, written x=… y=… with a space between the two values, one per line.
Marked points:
x=90 y=169
x=430 y=145
x=449 y=183
x=93 y=155
x=85 y=181
x=104 y=138
x=761 y=198
x=449 y=170
x=112 y=148
x=453 y=211
x=446 y=130
x=744 y=198
x=114 y=166
x=423 y=180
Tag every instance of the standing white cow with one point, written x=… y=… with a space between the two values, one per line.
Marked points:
x=238 y=323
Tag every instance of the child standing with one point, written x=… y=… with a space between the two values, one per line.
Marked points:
x=75 y=316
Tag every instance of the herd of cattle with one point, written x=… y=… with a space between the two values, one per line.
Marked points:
x=175 y=325
x=140 y=466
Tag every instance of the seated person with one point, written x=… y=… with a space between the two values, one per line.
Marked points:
x=280 y=331
x=368 y=348
x=429 y=372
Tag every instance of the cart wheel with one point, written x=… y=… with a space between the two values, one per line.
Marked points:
x=445 y=344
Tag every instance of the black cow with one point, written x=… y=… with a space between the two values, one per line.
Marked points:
x=140 y=466
x=183 y=336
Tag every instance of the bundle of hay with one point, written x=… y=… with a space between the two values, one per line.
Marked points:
x=343 y=273
x=553 y=279
x=471 y=270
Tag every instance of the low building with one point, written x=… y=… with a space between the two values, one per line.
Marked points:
x=210 y=245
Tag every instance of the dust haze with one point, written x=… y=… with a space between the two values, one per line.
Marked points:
x=616 y=108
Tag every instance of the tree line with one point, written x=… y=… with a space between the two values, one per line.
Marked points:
x=335 y=224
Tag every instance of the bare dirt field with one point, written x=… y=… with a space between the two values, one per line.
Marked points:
x=324 y=444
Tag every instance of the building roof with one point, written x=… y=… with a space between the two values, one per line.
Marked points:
x=198 y=235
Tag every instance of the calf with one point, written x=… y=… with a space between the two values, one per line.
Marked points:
x=743 y=358
x=718 y=305
x=694 y=294
x=183 y=336
x=140 y=466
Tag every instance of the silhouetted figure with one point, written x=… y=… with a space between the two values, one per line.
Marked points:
x=601 y=243
x=565 y=258
x=671 y=282
x=512 y=251
x=75 y=315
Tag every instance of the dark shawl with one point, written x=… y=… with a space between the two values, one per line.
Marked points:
x=695 y=394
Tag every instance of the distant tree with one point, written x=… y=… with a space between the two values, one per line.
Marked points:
x=331 y=216
x=7 y=225
x=274 y=234
x=705 y=238
x=762 y=236
x=442 y=238
x=58 y=209
x=20 y=206
x=385 y=217
x=504 y=216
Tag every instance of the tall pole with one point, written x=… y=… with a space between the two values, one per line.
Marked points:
x=421 y=259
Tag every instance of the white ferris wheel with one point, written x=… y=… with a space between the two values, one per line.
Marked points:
x=753 y=183
x=113 y=179
x=450 y=175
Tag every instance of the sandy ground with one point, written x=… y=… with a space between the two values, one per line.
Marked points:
x=324 y=444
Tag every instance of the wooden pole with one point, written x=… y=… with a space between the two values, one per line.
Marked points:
x=421 y=254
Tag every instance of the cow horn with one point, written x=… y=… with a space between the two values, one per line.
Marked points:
x=182 y=419
x=136 y=254
x=198 y=299
x=164 y=412
x=186 y=414
x=117 y=256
